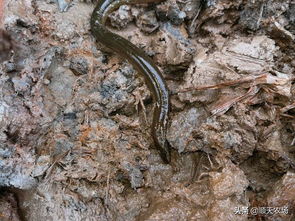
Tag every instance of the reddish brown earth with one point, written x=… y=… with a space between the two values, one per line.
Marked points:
x=75 y=118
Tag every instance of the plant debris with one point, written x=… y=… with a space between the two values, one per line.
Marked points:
x=75 y=118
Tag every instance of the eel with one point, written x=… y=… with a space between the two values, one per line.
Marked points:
x=142 y=63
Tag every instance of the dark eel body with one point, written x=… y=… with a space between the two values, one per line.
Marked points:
x=142 y=63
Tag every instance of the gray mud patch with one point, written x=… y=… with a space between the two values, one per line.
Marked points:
x=75 y=118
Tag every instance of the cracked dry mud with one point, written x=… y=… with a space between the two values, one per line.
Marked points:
x=75 y=118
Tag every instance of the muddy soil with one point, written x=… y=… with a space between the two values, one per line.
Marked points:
x=75 y=117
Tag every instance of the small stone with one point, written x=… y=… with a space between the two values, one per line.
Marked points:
x=21 y=84
x=79 y=65
x=176 y=16
x=119 y=19
x=170 y=10
x=9 y=67
x=46 y=81
x=135 y=175
x=147 y=22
